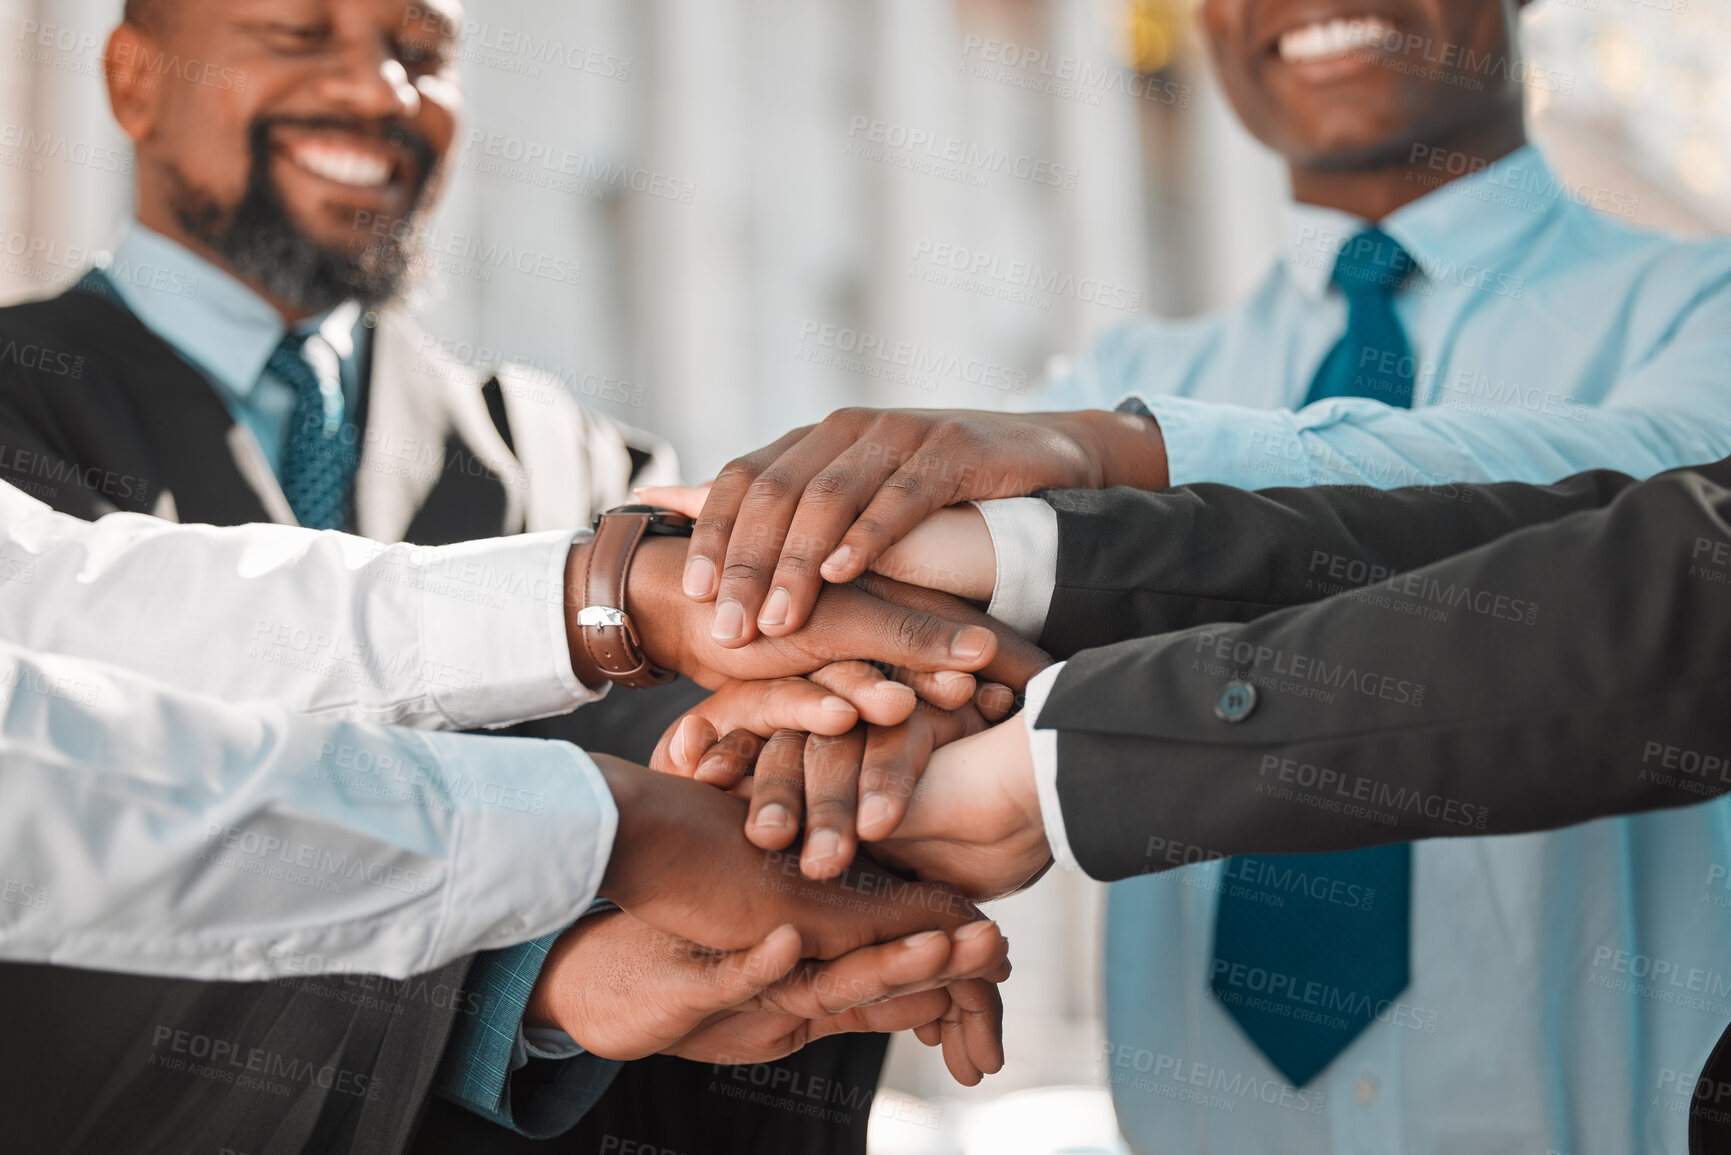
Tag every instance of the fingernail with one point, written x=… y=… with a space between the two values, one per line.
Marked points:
x=973 y=930
x=775 y=609
x=970 y=643
x=729 y=622
x=838 y=560
x=682 y=741
x=998 y=696
x=710 y=769
x=699 y=577
x=773 y=817
x=897 y=688
x=824 y=844
x=835 y=705
x=916 y=941
x=874 y=808
x=949 y=678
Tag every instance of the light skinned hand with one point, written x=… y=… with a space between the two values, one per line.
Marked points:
x=624 y=990
x=840 y=788
x=825 y=501
x=975 y=820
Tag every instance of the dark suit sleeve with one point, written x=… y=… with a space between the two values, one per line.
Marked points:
x=1566 y=672
x=1132 y=563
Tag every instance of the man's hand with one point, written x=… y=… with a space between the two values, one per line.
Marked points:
x=847 y=623
x=729 y=728
x=623 y=990
x=828 y=701
x=681 y=862
x=842 y=787
x=975 y=820
x=825 y=501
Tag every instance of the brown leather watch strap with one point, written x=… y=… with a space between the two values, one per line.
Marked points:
x=606 y=647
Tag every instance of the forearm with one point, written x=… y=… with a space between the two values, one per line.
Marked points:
x=1358 y=442
x=182 y=836
x=321 y=623
x=1128 y=447
x=1550 y=678
x=1131 y=564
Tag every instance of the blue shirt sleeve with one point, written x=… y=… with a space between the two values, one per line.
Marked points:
x=1670 y=411
x=476 y=1069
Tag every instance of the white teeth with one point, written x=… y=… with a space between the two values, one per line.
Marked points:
x=344 y=166
x=1328 y=39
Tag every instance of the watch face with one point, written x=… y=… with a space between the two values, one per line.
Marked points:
x=662 y=522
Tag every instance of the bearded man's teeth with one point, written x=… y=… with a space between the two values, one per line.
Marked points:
x=344 y=166
x=1329 y=39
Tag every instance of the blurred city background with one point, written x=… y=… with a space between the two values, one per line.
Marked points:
x=760 y=210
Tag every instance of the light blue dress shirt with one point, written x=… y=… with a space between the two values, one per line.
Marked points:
x=1567 y=987
x=228 y=332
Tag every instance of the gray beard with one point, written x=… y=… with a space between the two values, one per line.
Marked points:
x=260 y=242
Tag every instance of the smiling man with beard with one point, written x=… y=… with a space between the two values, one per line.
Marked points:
x=244 y=358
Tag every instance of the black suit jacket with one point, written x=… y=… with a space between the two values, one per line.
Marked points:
x=1425 y=663
x=97 y=414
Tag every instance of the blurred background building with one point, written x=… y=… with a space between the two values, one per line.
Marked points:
x=719 y=219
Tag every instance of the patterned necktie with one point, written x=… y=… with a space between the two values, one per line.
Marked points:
x=1309 y=949
x=318 y=468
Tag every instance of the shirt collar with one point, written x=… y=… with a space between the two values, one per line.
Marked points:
x=209 y=316
x=1467 y=220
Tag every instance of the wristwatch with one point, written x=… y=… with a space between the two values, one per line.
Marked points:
x=605 y=648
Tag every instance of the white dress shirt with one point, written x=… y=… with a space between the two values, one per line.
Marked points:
x=147 y=826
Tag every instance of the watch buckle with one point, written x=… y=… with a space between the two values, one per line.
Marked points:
x=601 y=617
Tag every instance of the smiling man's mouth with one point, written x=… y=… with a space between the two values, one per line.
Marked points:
x=1333 y=39
x=341 y=164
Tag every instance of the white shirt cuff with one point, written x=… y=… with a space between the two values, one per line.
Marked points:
x=1025 y=538
x=1044 y=744
x=493 y=627
x=543 y=1043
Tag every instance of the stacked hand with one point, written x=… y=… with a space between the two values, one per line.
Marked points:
x=625 y=990
x=824 y=502
x=796 y=947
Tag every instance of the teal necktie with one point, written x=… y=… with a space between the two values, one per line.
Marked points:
x=318 y=467
x=1309 y=949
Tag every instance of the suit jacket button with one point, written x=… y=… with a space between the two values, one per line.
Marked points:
x=1236 y=702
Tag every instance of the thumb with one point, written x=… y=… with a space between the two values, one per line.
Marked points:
x=732 y=979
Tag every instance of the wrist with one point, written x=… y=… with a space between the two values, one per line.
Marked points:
x=551 y=1005
x=655 y=601
x=621 y=880
x=1132 y=450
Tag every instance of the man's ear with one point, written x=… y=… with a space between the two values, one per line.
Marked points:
x=134 y=86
